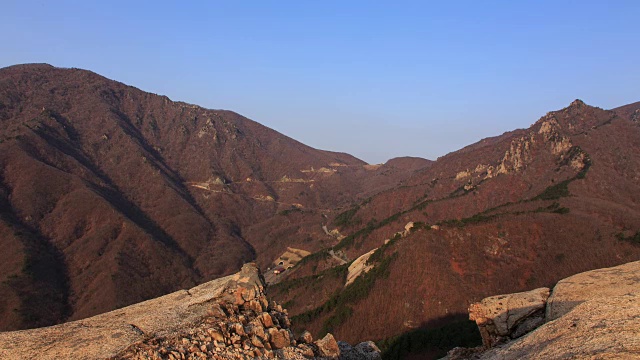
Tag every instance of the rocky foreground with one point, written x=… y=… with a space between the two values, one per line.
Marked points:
x=227 y=318
x=591 y=315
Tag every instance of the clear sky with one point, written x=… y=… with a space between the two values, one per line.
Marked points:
x=377 y=79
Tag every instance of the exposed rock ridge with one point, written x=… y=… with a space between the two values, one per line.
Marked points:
x=359 y=266
x=591 y=315
x=551 y=133
x=227 y=318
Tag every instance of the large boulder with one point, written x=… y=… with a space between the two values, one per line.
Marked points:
x=364 y=351
x=328 y=347
x=591 y=315
x=279 y=338
x=605 y=328
x=509 y=316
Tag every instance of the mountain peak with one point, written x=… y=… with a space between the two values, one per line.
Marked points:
x=576 y=118
x=28 y=66
x=577 y=103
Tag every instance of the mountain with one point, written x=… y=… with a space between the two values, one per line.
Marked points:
x=507 y=214
x=110 y=195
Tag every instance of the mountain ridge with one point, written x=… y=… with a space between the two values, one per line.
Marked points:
x=526 y=210
x=74 y=136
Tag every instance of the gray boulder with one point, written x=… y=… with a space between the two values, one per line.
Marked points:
x=364 y=351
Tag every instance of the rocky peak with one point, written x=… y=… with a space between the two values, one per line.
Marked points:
x=553 y=132
x=577 y=118
x=577 y=103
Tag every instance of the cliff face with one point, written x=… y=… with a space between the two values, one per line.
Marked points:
x=227 y=318
x=592 y=315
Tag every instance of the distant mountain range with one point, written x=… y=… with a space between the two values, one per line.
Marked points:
x=110 y=196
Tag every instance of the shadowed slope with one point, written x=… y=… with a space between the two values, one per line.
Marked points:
x=135 y=195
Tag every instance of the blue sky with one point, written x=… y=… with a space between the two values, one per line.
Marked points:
x=377 y=79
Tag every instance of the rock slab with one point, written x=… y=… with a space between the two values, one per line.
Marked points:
x=595 y=284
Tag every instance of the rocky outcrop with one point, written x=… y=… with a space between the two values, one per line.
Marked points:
x=359 y=266
x=227 y=318
x=328 y=347
x=365 y=350
x=407 y=228
x=608 y=328
x=463 y=175
x=592 y=315
x=549 y=135
x=517 y=156
x=509 y=316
